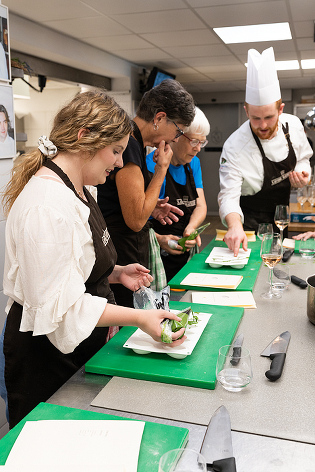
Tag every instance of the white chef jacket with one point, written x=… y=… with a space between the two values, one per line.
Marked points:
x=48 y=258
x=241 y=168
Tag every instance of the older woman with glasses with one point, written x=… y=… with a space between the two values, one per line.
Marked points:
x=183 y=185
x=130 y=194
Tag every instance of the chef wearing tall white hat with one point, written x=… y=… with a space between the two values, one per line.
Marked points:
x=262 y=159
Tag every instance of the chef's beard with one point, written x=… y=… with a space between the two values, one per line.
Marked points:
x=269 y=135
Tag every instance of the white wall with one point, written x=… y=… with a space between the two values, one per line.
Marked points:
x=40 y=109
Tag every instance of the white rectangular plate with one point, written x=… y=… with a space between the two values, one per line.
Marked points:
x=143 y=342
x=224 y=256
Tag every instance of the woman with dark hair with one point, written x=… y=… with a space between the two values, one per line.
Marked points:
x=129 y=196
x=60 y=258
x=184 y=187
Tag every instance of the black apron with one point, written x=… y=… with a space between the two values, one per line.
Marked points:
x=183 y=197
x=131 y=246
x=276 y=188
x=34 y=368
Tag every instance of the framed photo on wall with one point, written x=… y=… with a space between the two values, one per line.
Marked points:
x=7 y=124
x=5 y=61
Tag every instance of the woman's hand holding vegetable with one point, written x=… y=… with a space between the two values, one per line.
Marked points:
x=149 y=321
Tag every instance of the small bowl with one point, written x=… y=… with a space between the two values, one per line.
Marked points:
x=140 y=351
x=177 y=356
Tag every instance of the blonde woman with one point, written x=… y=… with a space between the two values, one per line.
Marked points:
x=60 y=258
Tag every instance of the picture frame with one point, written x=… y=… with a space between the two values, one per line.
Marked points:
x=5 y=56
x=7 y=122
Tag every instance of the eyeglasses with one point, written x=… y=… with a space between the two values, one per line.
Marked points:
x=196 y=142
x=180 y=131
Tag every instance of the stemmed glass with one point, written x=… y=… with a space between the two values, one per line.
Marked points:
x=264 y=228
x=271 y=253
x=311 y=195
x=282 y=216
x=301 y=195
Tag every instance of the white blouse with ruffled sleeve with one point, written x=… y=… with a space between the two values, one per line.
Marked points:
x=49 y=256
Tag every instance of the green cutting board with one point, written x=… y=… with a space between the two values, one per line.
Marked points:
x=197 y=264
x=156 y=440
x=196 y=370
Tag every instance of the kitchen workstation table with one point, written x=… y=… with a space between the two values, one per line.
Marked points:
x=273 y=423
x=198 y=264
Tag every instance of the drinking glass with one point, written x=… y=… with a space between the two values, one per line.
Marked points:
x=280 y=278
x=233 y=372
x=264 y=228
x=271 y=253
x=311 y=195
x=282 y=217
x=182 y=460
x=301 y=195
x=307 y=248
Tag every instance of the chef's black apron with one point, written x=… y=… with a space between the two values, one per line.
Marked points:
x=183 y=197
x=276 y=188
x=131 y=246
x=34 y=368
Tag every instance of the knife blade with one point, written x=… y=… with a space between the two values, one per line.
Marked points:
x=217 y=443
x=276 y=350
x=237 y=349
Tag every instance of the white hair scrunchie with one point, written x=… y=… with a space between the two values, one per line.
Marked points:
x=47 y=147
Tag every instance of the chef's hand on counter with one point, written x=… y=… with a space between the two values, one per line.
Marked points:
x=235 y=236
x=132 y=276
x=304 y=236
x=298 y=179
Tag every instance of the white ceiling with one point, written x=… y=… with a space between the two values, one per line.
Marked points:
x=177 y=35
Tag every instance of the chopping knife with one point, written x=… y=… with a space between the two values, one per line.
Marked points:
x=276 y=350
x=299 y=282
x=237 y=349
x=287 y=254
x=217 y=443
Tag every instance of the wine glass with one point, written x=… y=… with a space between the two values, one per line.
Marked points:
x=271 y=253
x=282 y=216
x=311 y=195
x=301 y=195
x=264 y=228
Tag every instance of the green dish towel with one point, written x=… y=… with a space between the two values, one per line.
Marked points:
x=155 y=264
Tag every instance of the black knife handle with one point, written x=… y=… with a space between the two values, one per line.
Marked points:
x=297 y=281
x=287 y=254
x=224 y=465
x=276 y=366
x=237 y=351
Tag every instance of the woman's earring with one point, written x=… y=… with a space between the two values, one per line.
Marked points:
x=155 y=127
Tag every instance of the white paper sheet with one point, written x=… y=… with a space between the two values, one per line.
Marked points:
x=289 y=243
x=223 y=256
x=242 y=299
x=112 y=444
x=212 y=280
x=143 y=342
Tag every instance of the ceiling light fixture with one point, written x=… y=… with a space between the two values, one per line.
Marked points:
x=254 y=33
x=308 y=63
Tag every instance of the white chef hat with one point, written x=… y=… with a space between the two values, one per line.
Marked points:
x=262 y=84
